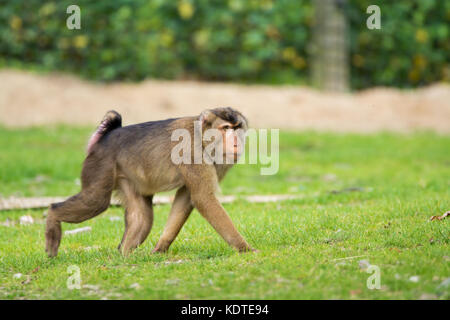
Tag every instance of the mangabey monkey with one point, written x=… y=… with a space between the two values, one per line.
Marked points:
x=136 y=161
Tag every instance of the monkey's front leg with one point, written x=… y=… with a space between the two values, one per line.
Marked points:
x=180 y=211
x=211 y=209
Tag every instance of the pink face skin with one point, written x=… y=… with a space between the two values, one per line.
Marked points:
x=232 y=149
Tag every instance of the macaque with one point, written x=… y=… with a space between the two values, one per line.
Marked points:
x=136 y=162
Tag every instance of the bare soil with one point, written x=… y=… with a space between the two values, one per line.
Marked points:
x=31 y=99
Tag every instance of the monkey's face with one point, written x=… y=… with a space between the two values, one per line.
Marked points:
x=231 y=126
x=233 y=139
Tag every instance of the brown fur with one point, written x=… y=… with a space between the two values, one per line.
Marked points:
x=135 y=161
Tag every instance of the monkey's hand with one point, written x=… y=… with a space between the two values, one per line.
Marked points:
x=248 y=249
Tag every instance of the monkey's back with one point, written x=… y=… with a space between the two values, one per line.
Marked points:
x=142 y=155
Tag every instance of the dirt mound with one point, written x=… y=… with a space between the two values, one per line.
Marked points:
x=30 y=99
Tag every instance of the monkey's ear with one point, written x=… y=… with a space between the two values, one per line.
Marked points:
x=206 y=117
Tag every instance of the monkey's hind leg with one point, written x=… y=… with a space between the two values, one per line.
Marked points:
x=138 y=217
x=83 y=206
x=94 y=198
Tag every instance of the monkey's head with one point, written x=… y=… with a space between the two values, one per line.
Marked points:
x=230 y=125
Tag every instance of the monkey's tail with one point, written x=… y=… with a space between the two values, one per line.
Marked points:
x=112 y=120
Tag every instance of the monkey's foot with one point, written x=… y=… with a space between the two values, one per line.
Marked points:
x=52 y=237
x=162 y=246
x=124 y=251
x=51 y=247
x=247 y=249
x=159 y=250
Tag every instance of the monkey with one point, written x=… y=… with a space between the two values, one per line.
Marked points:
x=136 y=162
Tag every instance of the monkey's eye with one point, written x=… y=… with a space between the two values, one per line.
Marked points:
x=226 y=127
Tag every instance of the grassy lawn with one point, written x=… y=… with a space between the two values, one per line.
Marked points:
x=363 y=197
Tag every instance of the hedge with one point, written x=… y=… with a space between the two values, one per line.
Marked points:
x=228 y=40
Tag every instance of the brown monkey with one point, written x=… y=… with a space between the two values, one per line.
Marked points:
x=136 y=161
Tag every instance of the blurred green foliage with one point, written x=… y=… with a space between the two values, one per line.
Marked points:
x=412 y=47
x=233 y=40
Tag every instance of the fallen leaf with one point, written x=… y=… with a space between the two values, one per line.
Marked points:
x=74 y=231
x=174 y=262
x=355 y=292
x=27 y=280
x=444 y=285
x=172 y=281
x=24 y=220
x=7 y=223
x=135 y=285
x=440 y=217
x=351 y=189
x=91 y=248
x=91 y=287
x=428 y=296
x=364 y=264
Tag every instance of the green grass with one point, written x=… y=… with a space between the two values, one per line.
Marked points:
x=400 y=181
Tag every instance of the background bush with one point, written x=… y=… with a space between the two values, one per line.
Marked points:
x=232 y=40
